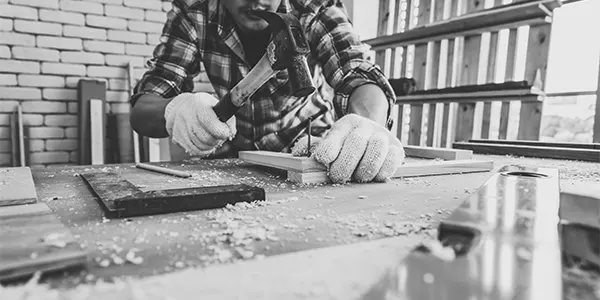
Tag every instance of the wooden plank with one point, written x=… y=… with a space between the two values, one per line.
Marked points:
x=96 y=131
x=511 y=58
x=490 y=77
x=420 y=74
x=537 y=60
x=33 y=240
x=596 y=138
x=87 y=89
x=493 y=19
x=410 y=170
x=443 y=153
x=283 y=161
x=125 y=138
x=135 y=136
x=528 y=94
x=119 y=198
x=539 y=143
x=382 y=29
x=19 y=156
x=532 y=151
x=16 y=186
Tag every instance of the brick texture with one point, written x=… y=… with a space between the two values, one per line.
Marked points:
x=6 y=24
x=47 y=46
x=31 y=53
x=38 y=27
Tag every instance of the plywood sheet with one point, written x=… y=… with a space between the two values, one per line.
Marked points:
x=16 y=186
x=33 y=239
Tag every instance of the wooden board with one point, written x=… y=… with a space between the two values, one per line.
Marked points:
x=531 y=151
x=539 y=143
x=433 y=152
x=120 y=198
x=16 y=186
x=308 y=170
x=283 y=161
x=87 y=89
x=33 y=239
x=97 y=132
x=409 y=170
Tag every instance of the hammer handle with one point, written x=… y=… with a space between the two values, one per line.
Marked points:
x=225 y=108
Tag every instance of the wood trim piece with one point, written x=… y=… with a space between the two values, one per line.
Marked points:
x=596 y=137
x=87 y=89
x=409 y=170
x=433 y=152
x=96 y=131
x=531 y=151
x=530 y=94
x=444 y=168
x=538 y=143
x=283 y=161
x=493 y=19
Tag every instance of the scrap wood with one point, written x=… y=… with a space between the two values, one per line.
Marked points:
x=16 y=186
x=33 y=239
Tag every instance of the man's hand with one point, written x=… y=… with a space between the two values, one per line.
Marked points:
x=358 y=149
x=193 y=124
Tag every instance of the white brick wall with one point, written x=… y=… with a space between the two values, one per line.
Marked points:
x=47 y=46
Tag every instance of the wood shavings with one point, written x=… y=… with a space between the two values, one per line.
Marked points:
x=104 y=263
x=55 y=240
x=245 y=254
x=132 y=258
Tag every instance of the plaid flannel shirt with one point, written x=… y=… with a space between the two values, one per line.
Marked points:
x=202 y=33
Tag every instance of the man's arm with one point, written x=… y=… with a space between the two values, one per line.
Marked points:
x=360 y=86
x=176 y=62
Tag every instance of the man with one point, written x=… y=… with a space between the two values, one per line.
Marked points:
x=352 y=138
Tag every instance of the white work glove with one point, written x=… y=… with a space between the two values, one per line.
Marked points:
x=356 y=148
x=193 y=124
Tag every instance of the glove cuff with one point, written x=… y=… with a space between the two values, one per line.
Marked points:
x=173 y=108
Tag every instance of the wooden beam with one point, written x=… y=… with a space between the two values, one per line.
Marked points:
x=493 y=19
x=442 y=153
x=531 y=151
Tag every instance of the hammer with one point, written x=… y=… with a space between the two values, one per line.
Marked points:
x=286 y=50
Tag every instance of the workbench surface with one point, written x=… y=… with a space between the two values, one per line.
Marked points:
x=294 y=217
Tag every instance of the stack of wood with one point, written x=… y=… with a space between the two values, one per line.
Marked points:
x=33 y=239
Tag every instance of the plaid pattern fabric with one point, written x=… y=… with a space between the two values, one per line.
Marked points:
x=201 y=33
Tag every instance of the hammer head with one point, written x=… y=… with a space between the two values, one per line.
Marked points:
x=290 y=50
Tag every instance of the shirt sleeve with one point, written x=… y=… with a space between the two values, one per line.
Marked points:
x=343 y=56
x=175 y=61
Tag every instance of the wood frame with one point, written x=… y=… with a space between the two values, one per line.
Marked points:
x=506 y=16
x=306 y=170
x=448 y=45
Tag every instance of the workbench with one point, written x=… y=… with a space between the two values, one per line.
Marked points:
x=377 y=222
